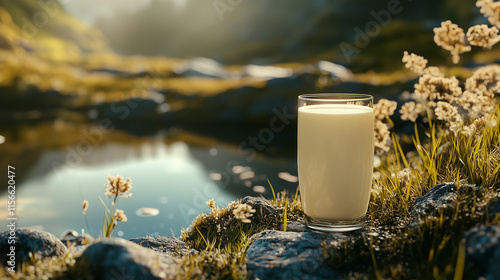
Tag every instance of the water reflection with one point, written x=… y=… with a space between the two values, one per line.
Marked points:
x=173 y=173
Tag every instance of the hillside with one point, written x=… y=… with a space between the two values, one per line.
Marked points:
x=44 y=28
x=269 y=32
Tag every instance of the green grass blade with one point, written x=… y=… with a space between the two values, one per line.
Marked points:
x=206 y=243
x=459 y=269
x=285 y=215
x=272 y=189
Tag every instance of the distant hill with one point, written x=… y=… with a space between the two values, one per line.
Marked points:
x=285 y=30
x=262 y=32
x=44 y=28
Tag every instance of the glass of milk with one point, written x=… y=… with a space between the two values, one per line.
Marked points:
x=335 y=159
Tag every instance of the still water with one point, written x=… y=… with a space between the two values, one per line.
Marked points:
x=174 y=173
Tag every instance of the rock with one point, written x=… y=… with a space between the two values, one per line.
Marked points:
x=110 y=71
x=289 y=255
x=294 y=226
x=298 y=82
x=335 y=71
x=76 y=243
x=266 y=72
x=263 y=105
x=202 y=67
x=163 y=244
x=440 y=197
x=115 y=258
x=134 y=108
x=72 y=237
x=298 y=226
x=494 y=208
x=68 y=233
x=261 y=205
x=483 y=252
x=28 y=240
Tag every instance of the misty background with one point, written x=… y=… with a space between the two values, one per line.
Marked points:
x=267 y=32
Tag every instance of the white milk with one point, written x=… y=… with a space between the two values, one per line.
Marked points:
x=335 y=155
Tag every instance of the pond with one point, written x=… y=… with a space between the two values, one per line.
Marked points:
x=173 y=172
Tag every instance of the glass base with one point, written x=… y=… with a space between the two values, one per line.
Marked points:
x=335 y=225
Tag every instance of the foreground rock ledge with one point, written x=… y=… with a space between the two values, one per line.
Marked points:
x=169 y=246
x=295 y=254
x=290 y=255
x=29 y=240
x=483 y=251
x=116 y=258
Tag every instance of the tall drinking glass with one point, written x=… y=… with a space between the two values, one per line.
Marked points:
x=335 y=159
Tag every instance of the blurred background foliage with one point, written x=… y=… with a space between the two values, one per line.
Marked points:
x=263 y=32
x=280 y=31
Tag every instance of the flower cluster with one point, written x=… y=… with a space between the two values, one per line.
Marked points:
x=478 y=125
x=411 y=110
x=117 y=186
x=491 y=10
x=451 y=38
x=211 y=203
x=480 y=90
x=449 y=114
x=120 y=215
x=383 y=110
x=404 y=178
x=415 y=63
x=431 y=89
x=433 y=71
x=382 y=139
x=243 y=212
x=85 y=206
x=483 y=36
x=443 y=97
x=485 y=80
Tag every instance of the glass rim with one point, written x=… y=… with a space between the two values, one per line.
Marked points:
x=334 y=97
